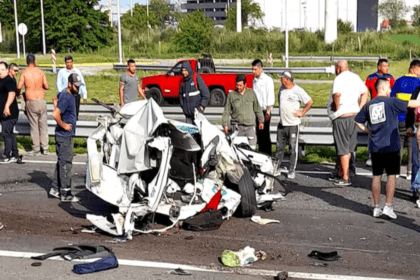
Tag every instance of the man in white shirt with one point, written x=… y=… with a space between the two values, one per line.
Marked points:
x=343 y=106
x=62 y=82
x=291 y=96
x=263 y=86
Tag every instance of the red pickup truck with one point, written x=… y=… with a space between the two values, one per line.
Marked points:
x=166 y=86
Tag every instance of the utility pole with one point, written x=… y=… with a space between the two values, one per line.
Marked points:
x=131 y=5
x=238 y=16
x=119 y=31
x=286 y=35
x=17 y=34
x=44 y=49
x=319 y=15
x=148 y=28
x=330 y=21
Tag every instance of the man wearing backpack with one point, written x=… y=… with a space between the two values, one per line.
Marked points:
x=193 y=92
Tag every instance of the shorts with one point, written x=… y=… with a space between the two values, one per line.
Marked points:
x=345 y=135
x=388 y=161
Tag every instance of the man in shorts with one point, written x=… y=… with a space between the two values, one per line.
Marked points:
x=381 y=113
x=242 y=107
x=343 y=106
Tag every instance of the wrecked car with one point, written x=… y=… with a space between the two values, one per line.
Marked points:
x=148 y=165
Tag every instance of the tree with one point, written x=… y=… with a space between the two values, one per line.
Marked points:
x=393 y=10
x=251 y=13
x=161 y=9
x=69 y=25
x=195 y=31
x=416 y=15
x=138 y=22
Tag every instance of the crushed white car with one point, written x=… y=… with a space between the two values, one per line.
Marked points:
x=149 y=165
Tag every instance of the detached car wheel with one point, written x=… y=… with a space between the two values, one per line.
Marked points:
x=156 y=94
x=217 y=97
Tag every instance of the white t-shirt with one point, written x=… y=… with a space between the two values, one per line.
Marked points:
x=289 y=103
x=264 y=90
x=350 y=86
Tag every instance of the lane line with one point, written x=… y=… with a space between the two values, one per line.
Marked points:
x=50 y=162
x=245 y=271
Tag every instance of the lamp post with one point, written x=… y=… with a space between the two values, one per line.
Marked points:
x=17 y=34
x=119 y=31
x=286 y=36
x=43 y=29
x=238 y=16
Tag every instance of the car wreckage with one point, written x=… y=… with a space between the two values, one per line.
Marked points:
x=148 y=165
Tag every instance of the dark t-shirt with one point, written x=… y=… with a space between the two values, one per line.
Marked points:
x=8 y=85
x=67 y=106
x=382 y=115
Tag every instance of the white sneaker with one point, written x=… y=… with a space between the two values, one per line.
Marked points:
x=408 y=177
x=389 y=211
x=369 y=162
x=291 y=175
x=377 y=212
x=9 y=160
x=418 y=203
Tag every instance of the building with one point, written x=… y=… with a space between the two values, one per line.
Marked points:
x=215 y=9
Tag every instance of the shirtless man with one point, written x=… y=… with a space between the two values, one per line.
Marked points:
x=35 y=83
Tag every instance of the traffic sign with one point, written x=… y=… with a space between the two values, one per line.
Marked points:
x=23 y=29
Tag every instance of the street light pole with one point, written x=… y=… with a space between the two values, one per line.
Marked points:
x=131 y=5
x=17 y=34
x=119 y=31
x=287 y=36
x=238 y=16
x=43 y=28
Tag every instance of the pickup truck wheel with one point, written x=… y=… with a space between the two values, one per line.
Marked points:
x=156 y=94
x=217 y=97
x=205 y=70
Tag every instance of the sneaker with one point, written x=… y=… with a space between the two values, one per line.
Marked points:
x=279 y=170
x=45 y=152
x=334 y=178
x=343 y=182
x=54 y=193
x=369 y=162
x=377 y=212
x=69 y=198
x=397 y=176
x=1 y=226
x=9 y=160
x=418 y=203
x=408 y=177
x=389 y=211
x=33 y=153
x=291 y=175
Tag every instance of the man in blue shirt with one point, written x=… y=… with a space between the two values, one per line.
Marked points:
x=62 y=77
x=384 y=145
x=65 y=115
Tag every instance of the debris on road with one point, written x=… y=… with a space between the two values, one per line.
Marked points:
x=180 y=271
x=36 y=264
x=259 y=220
x=329 y=256
x=148 y=165
x=1 y=226
x=242 y=257
x=282 y=276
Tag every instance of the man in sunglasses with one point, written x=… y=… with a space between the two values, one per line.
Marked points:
x=13 y=70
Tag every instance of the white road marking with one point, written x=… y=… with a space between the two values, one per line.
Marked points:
x=51 y=162
x=246 y=271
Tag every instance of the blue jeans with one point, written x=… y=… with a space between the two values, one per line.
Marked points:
x=62 y=174
x=10 y=144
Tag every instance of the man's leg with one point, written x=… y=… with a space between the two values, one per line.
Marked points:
x=281 y=142
x=77 y=100
x=263 y=136
x=56 y=186
x=410 y=159
x=249 y=133
x=43 y=126
x=294 y=145
x=65 y=159
x=32 y=114
x=376 y=190
x=414 y=160
x=345 y=160
x=7 y=131
x=390 y=189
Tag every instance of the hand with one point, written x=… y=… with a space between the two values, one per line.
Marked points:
x=67 y=127
x=333 y=107
x=84 y=101
x=267 y=117
x=226 y=129
x=299 y=113
x=261 y=126
x=121 y=104
x=6 y=111
x=409 y=132
x=202 y=108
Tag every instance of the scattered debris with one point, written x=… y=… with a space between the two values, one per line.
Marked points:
x=319 y=264
x=259 y=220
x=329 y=256
x=180 y=271
x=282 y=276
x=106 y=263
x=189 y=238
x=193 y=174
x=242 y=257
x=1 y=226
x=36 y=264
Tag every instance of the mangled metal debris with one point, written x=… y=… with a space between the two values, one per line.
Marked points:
x=150 y=165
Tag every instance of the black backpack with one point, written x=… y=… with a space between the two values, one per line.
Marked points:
x=206 y=221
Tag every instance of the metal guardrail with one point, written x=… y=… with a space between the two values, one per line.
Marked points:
x=308 y=135
x=333 y=58
x=242 y=70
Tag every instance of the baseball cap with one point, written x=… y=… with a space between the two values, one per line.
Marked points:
x=75 y=79
x=288 y=75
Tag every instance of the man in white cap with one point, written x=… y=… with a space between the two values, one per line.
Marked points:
x=291 y=97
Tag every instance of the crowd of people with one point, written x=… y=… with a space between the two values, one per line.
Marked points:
x=388 y=117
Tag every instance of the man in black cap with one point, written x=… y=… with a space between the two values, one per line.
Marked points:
x=65 y=115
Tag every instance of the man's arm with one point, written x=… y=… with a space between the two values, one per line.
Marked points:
x=204 y=92
x=362 y=127
x=45 y=85
x=335 y=105
x=271 y=99
x=59 y=82
x=141 y=92
x=301 y=113
x=258 y=112
x=60 y=122
x=10 y=98
x=83 y=88
x=363 y=99
x=20 y=83
x=121 y=93
x=226 y=114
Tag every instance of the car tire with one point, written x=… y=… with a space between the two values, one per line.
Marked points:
x=217 y=98
x=205 y=70
x=156 y=94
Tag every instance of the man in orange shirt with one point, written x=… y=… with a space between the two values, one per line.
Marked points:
x=35 y=83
